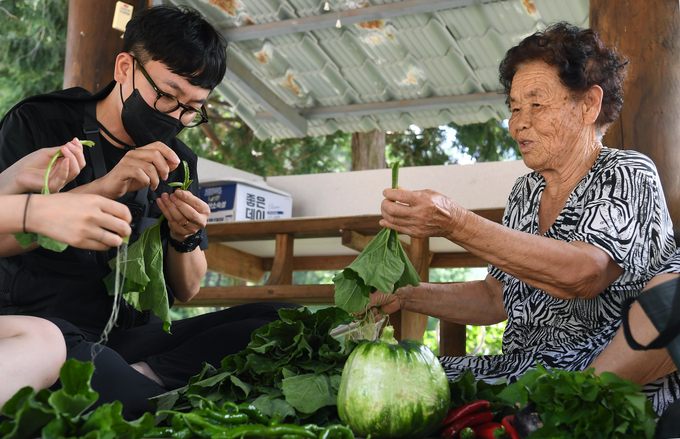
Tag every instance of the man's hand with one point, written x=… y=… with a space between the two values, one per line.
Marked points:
x=141 y=167
x=186 y=213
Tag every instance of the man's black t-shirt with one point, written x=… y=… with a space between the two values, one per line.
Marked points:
x=69 y=285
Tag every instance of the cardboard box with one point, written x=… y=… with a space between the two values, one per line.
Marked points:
x=241 y=200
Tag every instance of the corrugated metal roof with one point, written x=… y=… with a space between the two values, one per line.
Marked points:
x=409 y=68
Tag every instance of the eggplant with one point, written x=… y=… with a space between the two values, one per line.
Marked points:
x=527 y=420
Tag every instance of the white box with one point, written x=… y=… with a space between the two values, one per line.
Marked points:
x=241 y=200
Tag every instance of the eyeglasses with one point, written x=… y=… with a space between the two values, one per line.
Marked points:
x=167 y=103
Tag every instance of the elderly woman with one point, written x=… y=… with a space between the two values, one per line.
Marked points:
x=583 y=232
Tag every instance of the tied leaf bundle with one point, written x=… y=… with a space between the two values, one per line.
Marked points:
x=28 y=238
x=382 y=266
x=144 y=285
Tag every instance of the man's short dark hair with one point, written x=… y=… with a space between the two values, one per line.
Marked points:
x=182 y=39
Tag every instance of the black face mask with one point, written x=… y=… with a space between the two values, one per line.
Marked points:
x=144 y=124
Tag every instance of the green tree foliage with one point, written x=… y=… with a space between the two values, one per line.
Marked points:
x=32 y=48
x=479 y=340
x=486 y=142
x=238 y=147
x=418 y=147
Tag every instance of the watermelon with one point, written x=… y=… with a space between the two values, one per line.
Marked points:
x=393 y=389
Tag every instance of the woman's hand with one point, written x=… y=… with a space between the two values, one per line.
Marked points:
x=28 y=174
x=420 y=214
x=186 y=213
x=388 y=303
x=79 y=220
x=141 y=167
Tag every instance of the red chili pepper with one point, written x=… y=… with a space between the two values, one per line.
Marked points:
x=464 y=410
x=486 y=430
x=468 y=433
x=467 y=421
x=509 y=424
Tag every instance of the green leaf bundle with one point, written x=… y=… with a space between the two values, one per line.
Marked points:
x=583 y=405
x=292 y=367
x=56 y=414
x=382 y=266
x=28 y=238
x=144 y=285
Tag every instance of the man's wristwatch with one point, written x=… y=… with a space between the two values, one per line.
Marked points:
x=189 y=244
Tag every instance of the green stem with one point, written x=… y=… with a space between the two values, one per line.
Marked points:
x=395 y=175
x=388 y=335
x=46 y=189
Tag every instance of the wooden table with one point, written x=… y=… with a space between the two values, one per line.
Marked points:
x=354 y=232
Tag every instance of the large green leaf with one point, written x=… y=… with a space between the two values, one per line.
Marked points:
x=351 y=294
x=76 y=394
x=309 y=392
x=382 y=266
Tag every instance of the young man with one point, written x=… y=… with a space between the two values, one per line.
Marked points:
x=171 y=60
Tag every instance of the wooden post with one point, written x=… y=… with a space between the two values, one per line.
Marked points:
x=413 y=325
x=91 y=44
x=648 y=33
x=451 y=339
x=282 y=269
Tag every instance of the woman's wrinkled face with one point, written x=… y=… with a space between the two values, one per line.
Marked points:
x=546 y=121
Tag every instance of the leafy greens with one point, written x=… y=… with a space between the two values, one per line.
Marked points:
x=61 y=413
x=292 y=367
x=382 y=266
x=144 y=286
x=582 y=404
x=28 y=238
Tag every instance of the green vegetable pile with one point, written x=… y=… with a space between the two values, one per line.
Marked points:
x=583 y=405
x=231 y=421
x=382 y=266
x=59 y=414
x=28 y=238
x=144 y=285
x=292 y=367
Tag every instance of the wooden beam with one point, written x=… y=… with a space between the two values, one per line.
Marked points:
x=328 y=263
x=357 y=241
x=346 y=17
x=314 y=263
x=235 y=263
x=255 y=88
x=282 y=270
x=398 y=106
x=457 y=260
x=264 y=230
x=648 y=34
x=232 y=296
